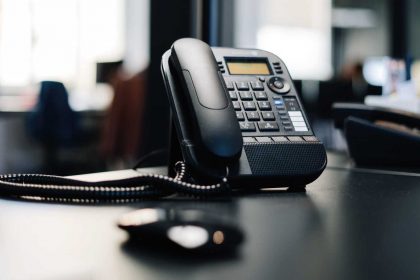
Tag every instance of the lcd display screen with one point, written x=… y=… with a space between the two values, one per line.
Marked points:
x=246 y=67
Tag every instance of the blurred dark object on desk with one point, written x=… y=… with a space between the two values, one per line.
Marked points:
x=380 y=137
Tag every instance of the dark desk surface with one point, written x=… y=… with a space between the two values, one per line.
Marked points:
x=350 y=224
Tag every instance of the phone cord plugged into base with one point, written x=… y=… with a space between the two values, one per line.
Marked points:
x=55 y=188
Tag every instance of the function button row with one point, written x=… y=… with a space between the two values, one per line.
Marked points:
x=279 y=139
x=247 y=95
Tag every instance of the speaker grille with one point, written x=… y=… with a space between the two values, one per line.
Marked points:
x=288 y=159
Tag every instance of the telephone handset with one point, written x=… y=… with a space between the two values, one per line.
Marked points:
x=237 y=113
x=244 y=127
x=212 y=119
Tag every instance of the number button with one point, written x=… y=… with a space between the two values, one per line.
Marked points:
x=257 y=85
x=240 y=116
x=229 y=85
x=260 y=95
x=252 y=116
x=264 y=105
x=268 y=116
x=233 y=95
x=247 y=126
x=245 y=95
x=249 y=106
x=236 y=105
x=242 y=86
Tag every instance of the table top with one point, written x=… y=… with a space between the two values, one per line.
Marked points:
x=350 y=224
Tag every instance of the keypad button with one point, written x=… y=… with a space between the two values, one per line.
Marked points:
x=249 y=140
x=284 y=118
x=278 y=84
x=249 y=105
x=252 y=116
x=268 y=116
x=260 y=95
x=295 y=138
x=236 y=105
x=229 y=85
x=263 y=139
x=310 y=138
x=240 y=116
x=245 y=95
x=264 y=105
x=242 y=86
x=262 y=79
x=268 y=126
x=247 y=126
x=233 y=95
x=257 y=85
x=286 y=123
x=280 y=139
x=288 y=128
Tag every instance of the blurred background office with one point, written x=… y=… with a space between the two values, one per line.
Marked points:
x=103 y=58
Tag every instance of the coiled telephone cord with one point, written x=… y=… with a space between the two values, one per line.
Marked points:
x=55 y=188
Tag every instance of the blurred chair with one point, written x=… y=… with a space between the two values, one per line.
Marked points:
x=53 y=123
x=124 y=134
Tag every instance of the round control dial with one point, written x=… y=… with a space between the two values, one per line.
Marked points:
x=278 y=85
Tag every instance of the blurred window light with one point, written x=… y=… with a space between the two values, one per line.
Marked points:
x=375 y=70
x=353 y=18
x=299 y=32
x=58 y=40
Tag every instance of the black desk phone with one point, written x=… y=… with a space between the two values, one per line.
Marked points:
x=238 y=123
x=236 y=111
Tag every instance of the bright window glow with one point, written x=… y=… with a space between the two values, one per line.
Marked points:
x=58 y=40
x=299 y=32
